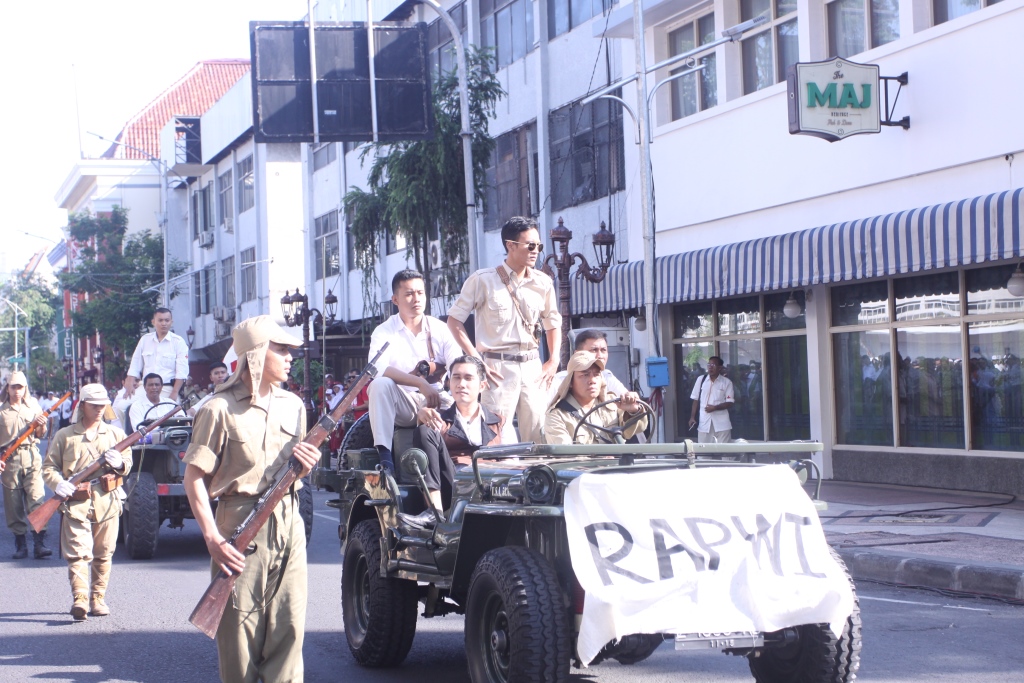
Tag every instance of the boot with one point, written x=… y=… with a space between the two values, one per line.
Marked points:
x=20 y=548
x=77 y=573
x=80 y=609
x=39 y=539
x=100 y=571
x=98 y=606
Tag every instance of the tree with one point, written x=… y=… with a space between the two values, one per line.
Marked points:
x=417 y=189
x=41 y=303
x=117 y=281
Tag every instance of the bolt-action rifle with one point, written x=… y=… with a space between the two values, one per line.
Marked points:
x=40 y=517
x=210 y=609
x=11 y=446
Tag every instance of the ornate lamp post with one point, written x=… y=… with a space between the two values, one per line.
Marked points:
x=560 y=262
x=41 y=372
x=297 y=312
x=190 y=336
x=97 y=360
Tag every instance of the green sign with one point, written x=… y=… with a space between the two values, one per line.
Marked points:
x=16 y=359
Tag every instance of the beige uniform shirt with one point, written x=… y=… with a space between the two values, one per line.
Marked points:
x=72 y=450
x=559 y=424
x=14 y=418
x=499 y=327
x=242 y=447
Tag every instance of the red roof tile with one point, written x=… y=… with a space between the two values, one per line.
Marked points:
x=191 y=95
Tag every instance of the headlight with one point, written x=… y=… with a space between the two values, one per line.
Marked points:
x=539 y=485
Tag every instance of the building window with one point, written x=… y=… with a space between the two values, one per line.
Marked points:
x=586 y=152
x=325 y=244
x=204 y=290
x=227 y=279
x=565 y=15
x=246 y=188
x=440 y=45
x=768 y=53
x=511 y=177
x=225 y=207
x=396 y=243
x=249 y=274
x=946 y=10
x=202 y=210
x=507 y=27
x=930 y=361
x=323 y=155
x=765 y=356
x=855 y=26
x=698 y=91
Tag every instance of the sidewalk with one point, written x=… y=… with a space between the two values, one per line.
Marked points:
x=896 y=534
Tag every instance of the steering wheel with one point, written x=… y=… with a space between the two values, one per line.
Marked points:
x=615 y=433
x=145 y=418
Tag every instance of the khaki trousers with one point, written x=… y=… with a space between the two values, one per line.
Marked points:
x=519 y=393
x=723 y=436
x=391 y=406
x=88 y=547
x=260 y=636
x=23 y=488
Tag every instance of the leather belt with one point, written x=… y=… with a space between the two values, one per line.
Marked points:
x=512 y=357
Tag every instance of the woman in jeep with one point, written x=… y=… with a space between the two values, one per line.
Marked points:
x=581 y=390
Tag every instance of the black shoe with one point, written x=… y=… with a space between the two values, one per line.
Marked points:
x=424 y=520
x=20 y=548
x=40 y=550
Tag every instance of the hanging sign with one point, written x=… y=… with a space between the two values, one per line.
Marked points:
x=833 y=99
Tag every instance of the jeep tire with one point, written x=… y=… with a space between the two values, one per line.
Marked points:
x=358 y=436
x=141 y=518
x=517 y=621
x=379 y=613
x=817 y=656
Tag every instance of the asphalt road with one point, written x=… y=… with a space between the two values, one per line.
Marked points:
x=909 y=635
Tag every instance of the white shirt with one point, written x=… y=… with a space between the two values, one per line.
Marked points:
x=713 y=392
x=472 y=427
x=141 y=405
x=406 y=350
x=611 y=383
x=167 y=358
x=121 y=406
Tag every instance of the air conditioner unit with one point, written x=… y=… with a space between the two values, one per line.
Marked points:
x=222 y=330
x=206 y=239
x=434 y=254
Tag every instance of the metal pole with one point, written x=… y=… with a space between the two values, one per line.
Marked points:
x=646 y=183
x=307 y=387
x=466 y=133
x=312 y=75
x=373 y=69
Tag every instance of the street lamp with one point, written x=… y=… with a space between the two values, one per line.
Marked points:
x=296 y=311
x=190 y=334
x=562 y=260
x=97 y=360
x=41 y=372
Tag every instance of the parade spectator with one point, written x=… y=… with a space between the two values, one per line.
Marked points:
x=712 y=397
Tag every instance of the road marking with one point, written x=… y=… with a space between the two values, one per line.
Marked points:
x=333 y=518
x=924 y=604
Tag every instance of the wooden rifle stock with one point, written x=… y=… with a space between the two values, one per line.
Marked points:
x=40 y=517
x=13 y=445
x=210 y=610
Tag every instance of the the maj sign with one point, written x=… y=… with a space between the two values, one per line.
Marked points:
x=833 y=99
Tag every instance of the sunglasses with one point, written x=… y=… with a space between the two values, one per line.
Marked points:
x=530 y=246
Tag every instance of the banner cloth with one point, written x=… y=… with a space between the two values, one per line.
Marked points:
x=712 y=550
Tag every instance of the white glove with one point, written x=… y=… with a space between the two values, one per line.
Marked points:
x=113 y=458
x=65 y=489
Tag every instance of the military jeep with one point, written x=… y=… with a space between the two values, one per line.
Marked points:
x=500 y=556
x=155 y=492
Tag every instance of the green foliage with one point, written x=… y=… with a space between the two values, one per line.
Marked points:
x=316 y=372
x=41 y=304
x=417 y=189
x=112 y=280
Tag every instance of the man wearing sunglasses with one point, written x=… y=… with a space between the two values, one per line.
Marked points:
x=513 y=305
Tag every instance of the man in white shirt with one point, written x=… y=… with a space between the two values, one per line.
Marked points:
x=140 y=410
x=712 y=396
x=596 y=342
x=162 y=352
x=398 y=392
x=218 y=375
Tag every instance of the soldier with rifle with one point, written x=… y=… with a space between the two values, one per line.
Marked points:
x=88 y=529
x=23 y=480
x=241 y=440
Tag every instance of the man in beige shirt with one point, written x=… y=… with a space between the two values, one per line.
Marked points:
x=23 y=480
x=513 y=304
x=91 y=512
x=241 y=439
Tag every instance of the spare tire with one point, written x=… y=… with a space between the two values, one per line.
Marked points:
x=358 y=436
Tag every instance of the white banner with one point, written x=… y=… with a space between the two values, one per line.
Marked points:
x=695 y=551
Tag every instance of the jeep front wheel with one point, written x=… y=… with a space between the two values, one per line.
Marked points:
x=517 y=622
x=379 y=612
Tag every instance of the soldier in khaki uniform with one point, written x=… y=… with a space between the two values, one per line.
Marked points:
x=22 y=477
x=88 y=529
x=512 y=304
x=583 y=388
x=241 y=439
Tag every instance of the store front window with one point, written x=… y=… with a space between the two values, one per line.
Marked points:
x=765 y=354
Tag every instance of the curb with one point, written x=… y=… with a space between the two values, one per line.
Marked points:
x=1005 y=582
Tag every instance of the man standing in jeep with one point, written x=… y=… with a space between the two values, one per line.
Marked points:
x=513 y=305
x=398 y=392
x=162 y=352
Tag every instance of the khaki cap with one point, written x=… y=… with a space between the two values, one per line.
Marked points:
x=261 y=329
x=96 y=394
x=581 y=360
x=17 y=379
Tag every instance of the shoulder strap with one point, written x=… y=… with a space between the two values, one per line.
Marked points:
x=515 y=300
x=430 y=343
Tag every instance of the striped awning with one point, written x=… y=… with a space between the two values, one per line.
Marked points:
x=977 y=230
